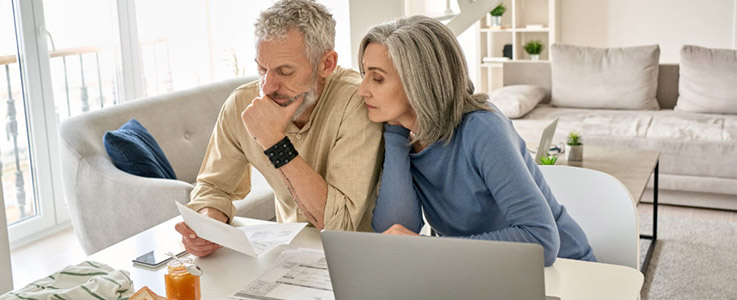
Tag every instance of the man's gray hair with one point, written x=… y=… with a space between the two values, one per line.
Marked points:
x=312 y=19
x=433 y=71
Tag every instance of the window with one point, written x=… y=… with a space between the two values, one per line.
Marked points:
x=15 y=169
x=94 y=54
x=82 y=57
x=195 y=42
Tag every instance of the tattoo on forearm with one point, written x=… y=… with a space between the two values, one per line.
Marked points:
x=292 y=191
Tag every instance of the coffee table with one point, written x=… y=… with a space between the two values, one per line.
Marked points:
x=631 y=166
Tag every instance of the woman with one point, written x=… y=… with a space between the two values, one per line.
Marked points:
x=450 y=152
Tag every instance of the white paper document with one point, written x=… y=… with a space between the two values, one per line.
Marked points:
x=298 y=274
x=253 y=240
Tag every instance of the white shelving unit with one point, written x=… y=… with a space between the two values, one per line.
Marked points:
x=524 y=20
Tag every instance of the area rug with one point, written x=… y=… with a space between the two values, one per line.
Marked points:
x=693 y=259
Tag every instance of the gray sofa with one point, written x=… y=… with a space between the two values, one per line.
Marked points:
x=698 y=160
x=108 y=205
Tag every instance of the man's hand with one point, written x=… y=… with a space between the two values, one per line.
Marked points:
x=192 y=243
x=266 y=121
x=399 y=229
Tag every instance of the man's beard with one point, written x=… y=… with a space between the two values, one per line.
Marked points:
x=310 y=97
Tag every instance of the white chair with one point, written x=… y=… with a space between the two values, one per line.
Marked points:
x=6 y=276
x=603 y=207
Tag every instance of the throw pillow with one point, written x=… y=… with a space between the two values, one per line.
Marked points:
x=605 y=78
x=135 y=151
x=516 y=101
x=707 y=80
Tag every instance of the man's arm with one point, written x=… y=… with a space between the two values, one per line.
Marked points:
x=308 y=189
x=341 y=199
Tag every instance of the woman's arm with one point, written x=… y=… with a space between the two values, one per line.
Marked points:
x=397 y=202
x=503 y=163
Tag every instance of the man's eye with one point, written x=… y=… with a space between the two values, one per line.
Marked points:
x=261 y=71
x=379 y=80
x=282 y=73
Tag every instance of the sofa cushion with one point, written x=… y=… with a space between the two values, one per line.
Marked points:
x=605 y=78
x=135 y=151
x=517 y=100
x=707 y=81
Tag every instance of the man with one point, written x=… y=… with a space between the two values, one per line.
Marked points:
x=301 y=125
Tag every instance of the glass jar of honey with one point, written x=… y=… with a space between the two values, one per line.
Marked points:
x=181 y=284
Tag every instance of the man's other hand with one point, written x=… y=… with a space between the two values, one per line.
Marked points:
x=192 y=243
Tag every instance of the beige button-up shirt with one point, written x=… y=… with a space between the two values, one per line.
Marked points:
x=339 y=142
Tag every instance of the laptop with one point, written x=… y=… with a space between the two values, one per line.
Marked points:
x=545 y=140
x=378 y=266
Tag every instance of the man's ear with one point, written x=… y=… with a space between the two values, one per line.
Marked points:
x=328 y=63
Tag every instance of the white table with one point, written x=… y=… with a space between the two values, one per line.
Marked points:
x=226 y=271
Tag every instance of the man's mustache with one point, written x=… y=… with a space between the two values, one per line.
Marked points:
x=291 y=100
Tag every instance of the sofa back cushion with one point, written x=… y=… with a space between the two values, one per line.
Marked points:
x=605 y=78
x=708 y=80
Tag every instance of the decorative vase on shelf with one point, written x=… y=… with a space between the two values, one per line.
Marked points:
x=534 y=48
x=496 y=15
x=496 y=21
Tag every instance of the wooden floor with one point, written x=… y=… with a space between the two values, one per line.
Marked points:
x=46 y=256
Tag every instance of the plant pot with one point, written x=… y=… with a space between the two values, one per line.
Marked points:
x=496 y=21
x=574 y=153
x=534 y=57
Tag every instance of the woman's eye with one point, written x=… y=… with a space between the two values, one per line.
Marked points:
x=379 y=80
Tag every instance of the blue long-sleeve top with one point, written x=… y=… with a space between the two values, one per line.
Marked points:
x=483 y=184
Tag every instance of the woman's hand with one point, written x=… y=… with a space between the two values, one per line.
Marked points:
x=398 y=229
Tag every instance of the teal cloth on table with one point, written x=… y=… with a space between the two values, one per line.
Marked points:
x=87 y=280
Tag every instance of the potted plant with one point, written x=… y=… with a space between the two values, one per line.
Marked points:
x=574 y=146
x=496 y=15
x=548 y=159
x=533 y=48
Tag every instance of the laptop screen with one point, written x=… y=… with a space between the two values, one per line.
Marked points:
x=545 y=140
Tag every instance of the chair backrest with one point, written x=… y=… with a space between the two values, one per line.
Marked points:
x=6 y=276
x=604 y=209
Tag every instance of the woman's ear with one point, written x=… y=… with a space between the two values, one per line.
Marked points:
x=328 y=63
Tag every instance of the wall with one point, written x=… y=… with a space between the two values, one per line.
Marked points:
x=366 y=14
x=669 y=23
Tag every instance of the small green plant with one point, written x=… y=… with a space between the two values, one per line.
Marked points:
x=574 y=139
x=548 y=159
x=498 y=11
x=534 y=47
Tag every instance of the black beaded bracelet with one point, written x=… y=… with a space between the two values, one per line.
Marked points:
x=281 y=153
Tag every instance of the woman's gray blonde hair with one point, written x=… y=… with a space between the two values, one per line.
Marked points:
x=433 y=71
x=312 y=19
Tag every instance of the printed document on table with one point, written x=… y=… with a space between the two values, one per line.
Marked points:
x=298 y=274
x=252 y=240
